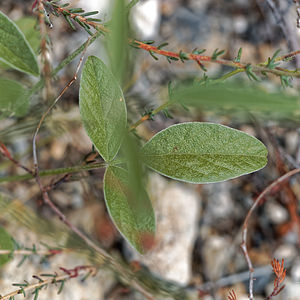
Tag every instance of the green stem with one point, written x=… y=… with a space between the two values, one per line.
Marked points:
x=66 y=61
x=146 y=117
x=168 y=103
x=162 y=107
x=228 y=75
x=67 y=170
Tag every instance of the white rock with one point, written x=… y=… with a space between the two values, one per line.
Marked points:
x=292 y=141
x=290 y=292
x=145 y=15
x=214 y=254
x=295 y=270
x=176 y=207
x=276 y=213
x=146 y=18
x=101 y=5
x=285 y=251
x=220 y=204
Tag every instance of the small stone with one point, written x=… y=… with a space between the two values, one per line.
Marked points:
x=146 y=18
x=176 y=208
x=276 y=213
x=286 y=251
x=291 y=291
x=214 y=255
x=295 y=270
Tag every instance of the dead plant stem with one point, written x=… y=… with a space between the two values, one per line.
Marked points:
x=266 y=191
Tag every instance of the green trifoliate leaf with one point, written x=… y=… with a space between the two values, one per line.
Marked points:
x=132 y=213
x=102 y=107
x=15 y=50
x=14 y=99
x=6 y=243
x=203 y=152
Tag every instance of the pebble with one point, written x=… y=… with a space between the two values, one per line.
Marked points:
x=276 y=213
x=295 y=270
x=145 y=17
x=214 y=255
x=177 y=207
x=286 y=251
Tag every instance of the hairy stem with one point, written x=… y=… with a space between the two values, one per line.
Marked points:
x=51 y=172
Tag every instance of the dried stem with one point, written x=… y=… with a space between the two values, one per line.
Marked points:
x=46 y=252
x=35 y=160
x=204 y=58
x=242 y=67
x=4 y=151
x=266 y=191
x=148 y=116
x=54 y=279
x=232 y=295
x=280 y=273
x=51 y=172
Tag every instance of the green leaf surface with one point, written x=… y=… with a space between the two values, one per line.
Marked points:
x=14 y=98
x=102 y=107
x=6 y=243
x=32 y=35
x=15 y=50
x=28 y=26
x=235 y=97
x=132 y=214
x=203 y=152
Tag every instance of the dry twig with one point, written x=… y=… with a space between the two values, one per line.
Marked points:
x=232 y=295
x=54 y=279
x=266 y=191
x=280 y=273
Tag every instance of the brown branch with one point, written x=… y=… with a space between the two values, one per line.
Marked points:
x=280 y=273
x=204 y=58
x=4 y=151
x=298 y=12
x=266 y=191
x=188 y=56
x=54 y=279
x=58 y=182
x=232 y=295
x=66 y=12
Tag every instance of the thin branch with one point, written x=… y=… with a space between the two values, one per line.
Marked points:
x=35 y=160
x=51 y=172
x=54 y=279
x=204 y=58
x=4 y=151
x=232 y=295
x=280 y=273
x=266 y=191
x=46 y=252
x=298 y=12
x=242 y=67
x=148 y=116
